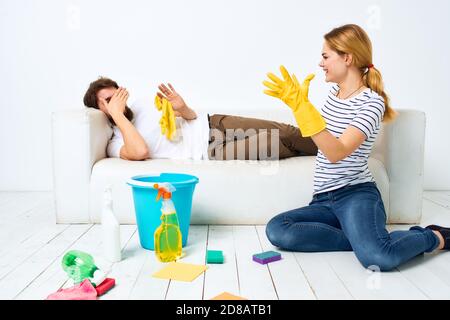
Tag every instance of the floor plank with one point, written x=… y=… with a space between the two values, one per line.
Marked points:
x=25 y=201
x=221 y=277
x=364 y=284
x=433 y=213
x=438 y=197
x=17 y=228
x=195 y=253
x=147 y=287
x=321 y=276
x=32 y=245
x=54 y=277
x=430 y=272
x=287 y=275
x=255 y=281
x=14 y=282
x=10 y=196
x=126 y=272
x=12 y=257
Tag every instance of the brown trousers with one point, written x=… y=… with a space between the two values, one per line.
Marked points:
x=241 y=138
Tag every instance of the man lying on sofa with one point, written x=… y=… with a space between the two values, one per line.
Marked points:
x=137 y=134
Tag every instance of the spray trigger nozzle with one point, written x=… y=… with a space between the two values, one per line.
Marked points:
x=165 y=190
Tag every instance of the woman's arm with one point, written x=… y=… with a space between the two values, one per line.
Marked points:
x=311 y=122
x=362 y=126
x=336 y=149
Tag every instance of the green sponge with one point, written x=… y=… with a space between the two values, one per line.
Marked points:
x=214 y=256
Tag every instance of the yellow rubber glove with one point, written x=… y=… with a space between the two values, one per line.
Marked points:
x=295 y=95
x=167 y=121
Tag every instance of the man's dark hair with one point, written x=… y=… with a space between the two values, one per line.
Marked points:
x=90 y=97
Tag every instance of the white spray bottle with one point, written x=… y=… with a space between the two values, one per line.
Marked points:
x=110 y=229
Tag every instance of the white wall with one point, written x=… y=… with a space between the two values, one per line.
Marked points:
x=215 y=52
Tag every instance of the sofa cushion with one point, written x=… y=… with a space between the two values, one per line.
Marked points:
x=228 y=192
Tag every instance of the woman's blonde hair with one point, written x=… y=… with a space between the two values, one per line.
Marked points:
x=352 y=39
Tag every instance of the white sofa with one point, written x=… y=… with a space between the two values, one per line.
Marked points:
x=228 y=192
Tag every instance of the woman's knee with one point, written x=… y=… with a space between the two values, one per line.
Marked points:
x=378 y=261
x=275 y=230
x=281 y=234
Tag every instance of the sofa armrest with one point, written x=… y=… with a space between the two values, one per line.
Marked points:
x=400 y=146
x=79 y=140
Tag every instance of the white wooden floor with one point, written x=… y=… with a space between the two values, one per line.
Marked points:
x=32 y=245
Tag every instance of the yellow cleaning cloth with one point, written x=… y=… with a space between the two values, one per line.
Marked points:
x=167 y=121
x=180 y=271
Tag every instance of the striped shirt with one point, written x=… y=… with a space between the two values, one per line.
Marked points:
x=365 y=112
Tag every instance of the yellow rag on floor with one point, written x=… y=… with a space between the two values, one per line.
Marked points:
x=180 y=271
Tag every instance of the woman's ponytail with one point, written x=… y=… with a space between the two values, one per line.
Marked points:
x=372 y=79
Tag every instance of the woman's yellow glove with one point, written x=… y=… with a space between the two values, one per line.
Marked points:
x=295 y=95
x=167 y=121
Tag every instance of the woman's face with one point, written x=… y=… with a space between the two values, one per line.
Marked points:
x=335 y=66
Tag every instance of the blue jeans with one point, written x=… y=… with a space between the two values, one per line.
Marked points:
x=346 y=219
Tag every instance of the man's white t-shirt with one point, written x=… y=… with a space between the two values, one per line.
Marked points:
x=190 y=141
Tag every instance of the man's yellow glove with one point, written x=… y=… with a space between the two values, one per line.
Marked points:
x=167 y=121
x=295 y=95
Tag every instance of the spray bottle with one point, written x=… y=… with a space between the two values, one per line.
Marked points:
x=110 y=229
x=79 y=265
x=168 y=235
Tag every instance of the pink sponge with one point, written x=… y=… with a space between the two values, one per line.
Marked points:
x=82 y=291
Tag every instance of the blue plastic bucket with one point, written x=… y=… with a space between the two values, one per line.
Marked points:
x=148 y=210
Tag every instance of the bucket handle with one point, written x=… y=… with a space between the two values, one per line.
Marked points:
x=133 y=182
x=138 y=183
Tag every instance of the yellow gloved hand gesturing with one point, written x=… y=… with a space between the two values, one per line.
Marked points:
x=295 y=95
x=167 y=121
